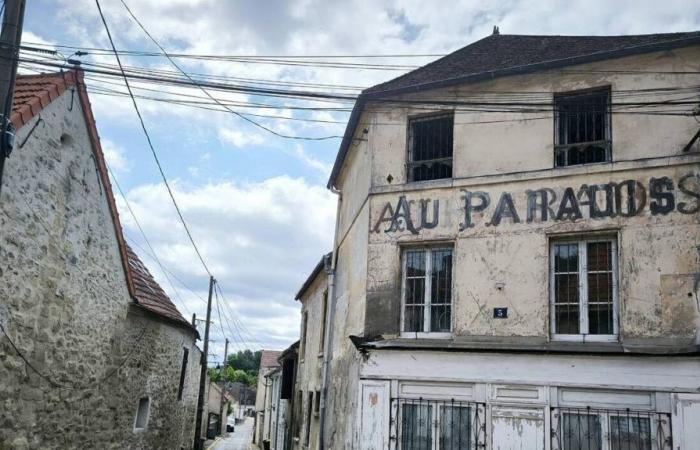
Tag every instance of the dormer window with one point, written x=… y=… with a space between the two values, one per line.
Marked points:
x=582 y=124
x=430 y=147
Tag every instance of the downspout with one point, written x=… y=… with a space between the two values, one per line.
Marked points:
x=330 y=315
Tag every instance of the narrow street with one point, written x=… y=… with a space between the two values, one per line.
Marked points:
x=239 y=439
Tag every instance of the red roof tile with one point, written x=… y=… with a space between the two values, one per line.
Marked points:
x=147 y=292
x=268 y=359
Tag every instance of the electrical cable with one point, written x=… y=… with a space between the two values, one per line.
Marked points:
x=150 y=144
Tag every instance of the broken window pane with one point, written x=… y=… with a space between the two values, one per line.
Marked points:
x=430 y=148
x=583 y=128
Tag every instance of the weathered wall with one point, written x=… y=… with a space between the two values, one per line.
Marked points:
x=63 y=290
x=64 y=303
x=520 y=142
x=349 y=316
x=507 y=264
x=504 y=263
x=153 y=370
x=310 y=368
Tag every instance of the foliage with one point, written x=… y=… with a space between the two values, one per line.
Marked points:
x=245 y=360
x=243 y=367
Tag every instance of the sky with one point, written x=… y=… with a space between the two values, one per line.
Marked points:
x=257 y=204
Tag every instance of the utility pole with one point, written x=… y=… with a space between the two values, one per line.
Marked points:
x=10 y=38
x=222 y=428
x=198 y=441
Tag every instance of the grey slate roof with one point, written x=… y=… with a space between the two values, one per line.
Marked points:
x=501 y=55
x=506 y=51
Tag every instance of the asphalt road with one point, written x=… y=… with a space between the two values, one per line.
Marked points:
x=239 y=439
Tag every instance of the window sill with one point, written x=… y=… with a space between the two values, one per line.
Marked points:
x=424 y=335
x=584 y=338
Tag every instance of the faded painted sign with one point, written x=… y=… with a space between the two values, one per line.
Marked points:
x=627 y=198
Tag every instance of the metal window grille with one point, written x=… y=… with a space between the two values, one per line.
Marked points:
x=427 y=290
x=430 y=147
x=589 y=428
x=421 y=424
x=584 y=287
x=583 y=128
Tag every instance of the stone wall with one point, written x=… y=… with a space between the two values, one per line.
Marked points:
x=65 y=305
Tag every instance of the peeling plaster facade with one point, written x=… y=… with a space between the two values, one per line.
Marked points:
x=517 y=379
x=65 y=303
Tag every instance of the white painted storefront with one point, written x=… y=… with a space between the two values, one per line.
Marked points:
x=520 y=401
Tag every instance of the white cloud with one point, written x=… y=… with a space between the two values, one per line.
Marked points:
x=239 y=138
x=114 y=154
x=323 y=168
x=259 y=239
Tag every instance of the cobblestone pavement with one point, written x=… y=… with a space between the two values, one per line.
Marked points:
x=239 y=439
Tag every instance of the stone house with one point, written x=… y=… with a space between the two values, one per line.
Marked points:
x=313 y=296
x=93 y=354
x=517 y=251
x=263 y=402
x=212 y=424
x=284 y=417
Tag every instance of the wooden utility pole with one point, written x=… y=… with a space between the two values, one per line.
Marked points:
x=10 y=38
x=222 y=427
x=198 y=441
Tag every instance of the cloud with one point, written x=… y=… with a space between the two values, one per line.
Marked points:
x=240 y=139
x=259 y=239
x=323 y=168
x=114 y=154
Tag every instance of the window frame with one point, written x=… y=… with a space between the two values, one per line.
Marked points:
x=583 y=300
x=606 y=424
x=435 y=419
x=147 y=414
x=304 y=335
x=608 y=141
x=409 y=144
x=428 y=249
x=183 y=372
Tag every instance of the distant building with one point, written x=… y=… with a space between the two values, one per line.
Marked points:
x=313 y=296
x=268 y=363
x=93 y=354
x=283 y=431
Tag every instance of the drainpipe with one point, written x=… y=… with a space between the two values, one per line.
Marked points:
x=330 y=315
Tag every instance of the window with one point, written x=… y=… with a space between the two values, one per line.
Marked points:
x=438 y=425
x=317 y=404
x=430 y=144
x=598 y=429
x=141 y=420
x=302 y=344
x=307 y=424
x=427 y=290
x=183 y=371
x=584 y=289
x=582 y=127
x=324 y=311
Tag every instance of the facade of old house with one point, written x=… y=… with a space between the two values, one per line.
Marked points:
x=313 y=296
x=283 y=431
x=93 y=354
x=517 y=251
x=263 y=396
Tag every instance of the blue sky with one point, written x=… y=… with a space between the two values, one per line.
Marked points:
x=257 y=204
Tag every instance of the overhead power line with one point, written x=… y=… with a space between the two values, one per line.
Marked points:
x=150 y=145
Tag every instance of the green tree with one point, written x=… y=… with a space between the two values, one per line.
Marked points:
x=246 y=360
